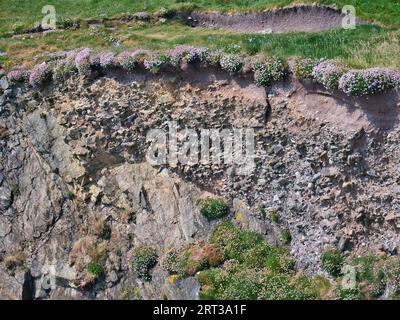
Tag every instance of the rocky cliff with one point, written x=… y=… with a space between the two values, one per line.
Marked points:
x=75 y=184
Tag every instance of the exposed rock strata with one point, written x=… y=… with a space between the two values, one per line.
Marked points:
x=73 y=155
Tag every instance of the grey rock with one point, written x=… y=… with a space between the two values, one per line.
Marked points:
x=4 y=83
x=283 y=182
x=343 y=244
x=8 y=93
x=5 y=198
x=18 y=287
x=277 y=149
x=113 y=276
x=156 y=206
x=5 y=228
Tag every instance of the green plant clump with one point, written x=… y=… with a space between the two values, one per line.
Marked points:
x=303 y=68
x=95 y=269
x=249 y=248
x=190 y=260
x=252 y=269
x=144 y=259
x=286 y=236
x=332 y=262
x=371 y=275
x=274 y=216
x=15 y=190
x=269 y=70
x=231 y=63
x=212 y=208
x=263 y=212
x=69 y=195
x=106 y=232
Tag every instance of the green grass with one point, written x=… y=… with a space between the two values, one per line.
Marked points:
x=69 y=195
x=332 y=262
x=371 y=273
x=286 y=236
x=366 y=46
x=23 y=13
x=274 y=216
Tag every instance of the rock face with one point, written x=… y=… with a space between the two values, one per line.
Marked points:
x=73 y=159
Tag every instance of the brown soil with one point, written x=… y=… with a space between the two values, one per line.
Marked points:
x=302 y=18
x=373 y=113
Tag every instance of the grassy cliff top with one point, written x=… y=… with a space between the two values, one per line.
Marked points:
x=24 y=13
x=365 y=46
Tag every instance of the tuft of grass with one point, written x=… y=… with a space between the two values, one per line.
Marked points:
x=274 y=216
x=98 y=252
x=286 y=236
x=15 y=190
x=69 y=195
x=371 y=274
x=94 y=268
x=13 y=261
x=370 y=277
x=102 y=229
x=332 y=262
x=248 y=248
x=192 y=259
x=262 y=212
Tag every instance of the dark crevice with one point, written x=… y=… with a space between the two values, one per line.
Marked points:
x=28 y=287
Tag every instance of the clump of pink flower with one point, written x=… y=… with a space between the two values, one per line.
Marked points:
x=395 y=79
x=154 y=63
x=39 y=74
x=231 y=63
x=65 y=67
x=328 y=73
x=213 y=57
x=368 y=81
x=126 y=60
x=188 y=54
x=82 y=61
x=107 y=60
x=176 y=55
x=140 y=55
x=196 y=54
x=268 y=70
x=18 y=75
x=353 y=83
x=303 y=68
x=378 y=79
x=70 y=58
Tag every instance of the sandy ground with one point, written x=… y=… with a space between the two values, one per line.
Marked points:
x=304 y=18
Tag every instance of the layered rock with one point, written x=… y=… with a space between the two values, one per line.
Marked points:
x=73 y=158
